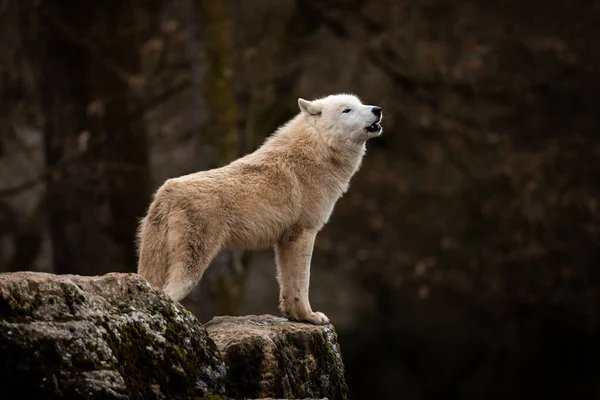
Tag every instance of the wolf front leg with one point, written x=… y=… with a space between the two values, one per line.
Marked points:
x=293 y=254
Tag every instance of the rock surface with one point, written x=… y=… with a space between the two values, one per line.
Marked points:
x=116 y=337
x=108 y=337
x=271 y=357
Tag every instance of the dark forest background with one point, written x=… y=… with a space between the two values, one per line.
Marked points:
x=464 y=263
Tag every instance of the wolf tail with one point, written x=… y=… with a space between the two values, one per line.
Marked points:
x=153 y=262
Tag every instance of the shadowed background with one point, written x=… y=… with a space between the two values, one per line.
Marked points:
x=464 y=261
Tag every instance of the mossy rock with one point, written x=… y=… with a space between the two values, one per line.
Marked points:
x=108 y=337
x=272 y=357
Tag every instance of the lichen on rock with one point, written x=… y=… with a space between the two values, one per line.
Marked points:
x=272 y=357
x=109 y=337
x=116 y=337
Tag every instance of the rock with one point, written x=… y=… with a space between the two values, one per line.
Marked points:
x=116 y=337
x=108 y=337
x=272 y=357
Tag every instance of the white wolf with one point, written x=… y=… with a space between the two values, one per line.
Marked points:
x=281 y=195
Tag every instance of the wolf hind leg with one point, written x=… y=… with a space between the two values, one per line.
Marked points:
x=190 y=253
x=179 y=284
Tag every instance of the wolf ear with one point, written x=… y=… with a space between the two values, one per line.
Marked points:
x=308 y=108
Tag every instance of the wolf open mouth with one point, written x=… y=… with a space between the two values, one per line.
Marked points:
x=376 y=126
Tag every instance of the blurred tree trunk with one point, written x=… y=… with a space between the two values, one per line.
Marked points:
x=219 y=86
x=126 y=154
x=218 y=128
x=27 y=236
x=98 y=159
x=72 y=206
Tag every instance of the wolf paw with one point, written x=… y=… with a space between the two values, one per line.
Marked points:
x=317 y=318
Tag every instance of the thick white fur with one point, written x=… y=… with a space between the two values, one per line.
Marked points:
x=281 y=195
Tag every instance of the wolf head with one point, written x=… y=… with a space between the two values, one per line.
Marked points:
x=343 y=118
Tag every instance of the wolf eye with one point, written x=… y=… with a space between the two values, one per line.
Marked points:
x=347 y=110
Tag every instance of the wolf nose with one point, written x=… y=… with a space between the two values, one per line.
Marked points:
x=376 y=111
